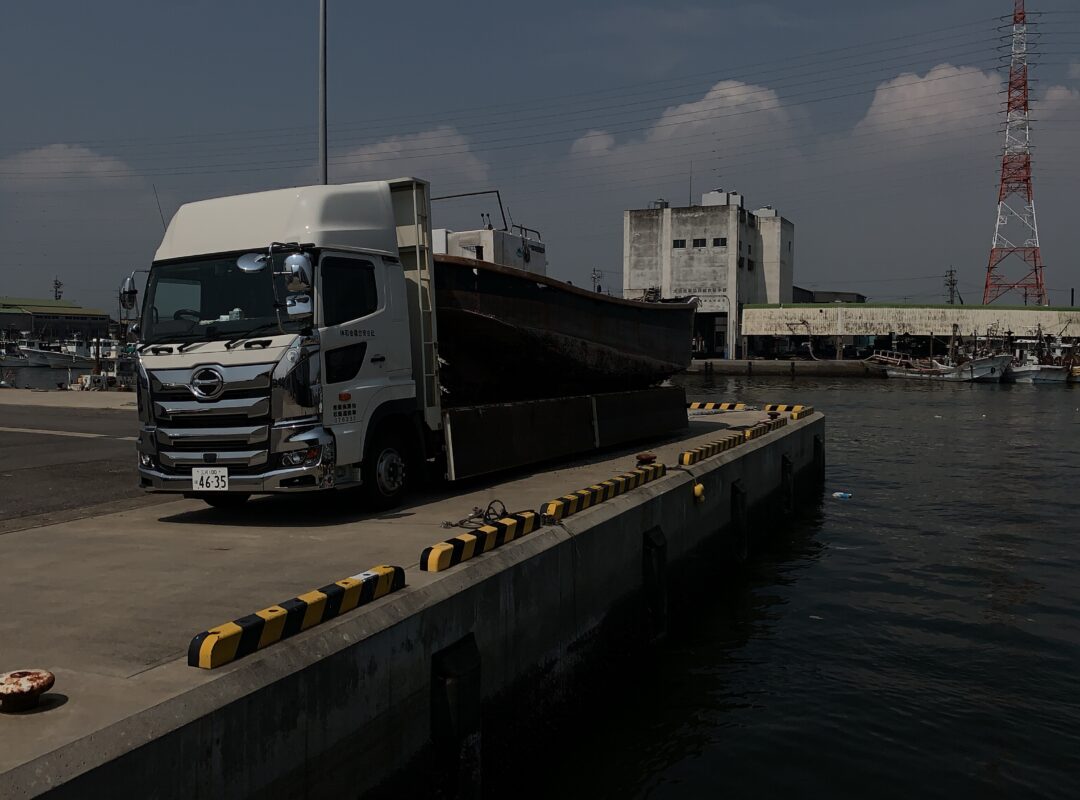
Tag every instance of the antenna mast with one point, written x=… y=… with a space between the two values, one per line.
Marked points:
x=1016 y=198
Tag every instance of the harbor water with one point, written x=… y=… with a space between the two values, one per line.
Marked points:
x=921 y=638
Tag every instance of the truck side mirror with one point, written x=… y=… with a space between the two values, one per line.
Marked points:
x=299 y=305
x=298 y=272
x=252 y=262
x=128 y=293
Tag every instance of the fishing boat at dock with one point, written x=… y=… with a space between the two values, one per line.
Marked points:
x=981 y=369
x=1041 y=358
x=1034 y=372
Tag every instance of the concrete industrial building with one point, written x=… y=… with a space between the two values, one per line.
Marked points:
x=771 y=330
x=873 y=320
x=719 y=252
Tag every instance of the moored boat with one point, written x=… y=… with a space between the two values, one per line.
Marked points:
x=1039 y=373
x=533 y=336
x=984 y=369
x=55 y=359
x=11 y=356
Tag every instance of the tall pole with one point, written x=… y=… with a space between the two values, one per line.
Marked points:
x=730 y=344
x=322 y=93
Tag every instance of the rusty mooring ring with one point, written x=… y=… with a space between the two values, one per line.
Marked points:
x=21 y=690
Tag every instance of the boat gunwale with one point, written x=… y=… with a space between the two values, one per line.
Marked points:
x=555 y=283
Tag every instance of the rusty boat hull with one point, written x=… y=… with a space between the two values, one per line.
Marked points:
x=516 y=335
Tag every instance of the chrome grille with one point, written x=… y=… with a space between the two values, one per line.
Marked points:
x=232 y=430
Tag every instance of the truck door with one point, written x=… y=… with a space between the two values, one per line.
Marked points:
x=361 y=341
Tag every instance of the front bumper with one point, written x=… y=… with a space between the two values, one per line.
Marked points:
x=293 y=479
x=271 y=480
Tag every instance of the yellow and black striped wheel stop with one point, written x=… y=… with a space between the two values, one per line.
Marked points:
x=569 y=504
x=244 y=636
x=716 y=406
x=689 y=457
x=476 y=542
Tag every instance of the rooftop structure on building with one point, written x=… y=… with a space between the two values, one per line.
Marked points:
x=800 y=295
x=717 y=251
x=520 y=248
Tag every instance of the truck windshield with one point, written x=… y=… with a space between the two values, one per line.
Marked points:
x=211 y=298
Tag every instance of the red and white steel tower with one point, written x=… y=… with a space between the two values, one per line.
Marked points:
x=1016 y=232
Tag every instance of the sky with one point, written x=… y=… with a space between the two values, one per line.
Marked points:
x=876 y=127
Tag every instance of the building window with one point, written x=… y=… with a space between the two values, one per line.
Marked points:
x=719 y=241
x=699 y=242
x=750 y=220
x=740 y=262
x=749 y=249
x=678 y=244
x=750 y=264
x=789 y=246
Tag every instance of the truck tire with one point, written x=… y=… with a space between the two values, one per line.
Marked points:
x=385 y=472
x=225 y=500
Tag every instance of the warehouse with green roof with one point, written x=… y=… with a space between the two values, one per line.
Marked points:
x=51 y=319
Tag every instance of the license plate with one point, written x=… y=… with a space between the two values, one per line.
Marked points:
x=210 y=479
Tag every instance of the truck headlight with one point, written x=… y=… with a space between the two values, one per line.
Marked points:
x=305 y=458
x=146 y=460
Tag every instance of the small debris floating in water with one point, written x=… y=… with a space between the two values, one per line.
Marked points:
x=842 y=495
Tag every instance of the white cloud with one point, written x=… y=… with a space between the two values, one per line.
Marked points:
x=1056 y=100
x=730 y=113
x=51 y=164
x=938 y=111
x=70 y=211
x=593 y=142
x=442 y=153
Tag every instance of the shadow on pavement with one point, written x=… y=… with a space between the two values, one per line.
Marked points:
x=321 y=509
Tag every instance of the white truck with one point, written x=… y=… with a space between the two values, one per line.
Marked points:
x=288 y=342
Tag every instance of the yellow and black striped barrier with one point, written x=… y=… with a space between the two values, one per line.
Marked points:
x=777 y=407
x=761 y=428
x=688 y=457
x=566 y=505
x=755 y=431
x=476 y=542
x=803 y=411
x=244 y=636
x=773 y=424
x=716 y=406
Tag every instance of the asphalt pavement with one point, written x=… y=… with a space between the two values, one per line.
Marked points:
x=60 y=464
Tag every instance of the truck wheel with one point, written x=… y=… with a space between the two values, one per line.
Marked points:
x=225 y=500
x=385 y=471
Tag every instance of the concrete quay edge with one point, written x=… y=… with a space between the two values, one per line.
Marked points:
x=348 y=677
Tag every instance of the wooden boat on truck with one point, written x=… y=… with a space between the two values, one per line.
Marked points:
x=519 y=335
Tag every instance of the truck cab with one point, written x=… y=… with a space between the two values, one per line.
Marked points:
x=277 y=348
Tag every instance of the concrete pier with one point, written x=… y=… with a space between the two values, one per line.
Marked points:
x=822 y=368
x=109 y=603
